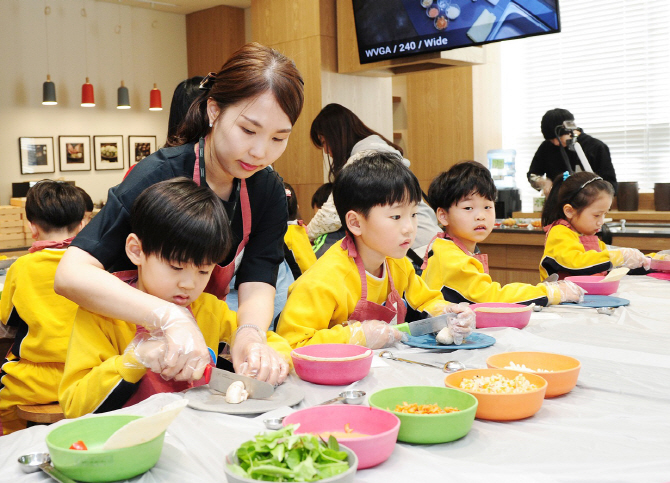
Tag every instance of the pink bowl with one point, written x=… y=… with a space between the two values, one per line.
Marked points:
x=660 y=265
x=518 y=320
x=381 y=427
x=593 y=286
x=328 y=369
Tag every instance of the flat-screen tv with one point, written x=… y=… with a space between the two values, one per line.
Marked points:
x=388 y=29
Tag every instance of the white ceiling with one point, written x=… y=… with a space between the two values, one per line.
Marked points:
x=180 y=6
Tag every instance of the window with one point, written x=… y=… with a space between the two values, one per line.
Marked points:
x=610 y=67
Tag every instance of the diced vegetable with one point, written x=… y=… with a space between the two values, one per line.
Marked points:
x=285 y=456
x=79 y=445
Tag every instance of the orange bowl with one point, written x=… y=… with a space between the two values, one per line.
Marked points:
x=502 y=406
x=564 y=369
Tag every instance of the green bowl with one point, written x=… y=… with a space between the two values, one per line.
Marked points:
x=96 y=464
x=428 y=428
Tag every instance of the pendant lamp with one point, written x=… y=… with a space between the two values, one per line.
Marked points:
x=155 y=103
x=123 y=97
x=49 y=92
x=87 y=97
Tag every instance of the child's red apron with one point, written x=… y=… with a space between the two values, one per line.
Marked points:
x=482 y=257
x=219 y=282
x=589 y=242
x=393 y=311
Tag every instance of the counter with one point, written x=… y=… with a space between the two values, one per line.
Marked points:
x=612 y=427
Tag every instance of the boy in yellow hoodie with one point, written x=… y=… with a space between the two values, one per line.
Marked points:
x=34 y=365
x=179 y=231
x=463 y=199
x=364 y=285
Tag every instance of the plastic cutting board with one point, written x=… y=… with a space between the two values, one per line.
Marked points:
x=597 y=301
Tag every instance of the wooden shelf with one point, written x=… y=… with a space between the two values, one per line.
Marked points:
x=397 y=99
x=397 y=136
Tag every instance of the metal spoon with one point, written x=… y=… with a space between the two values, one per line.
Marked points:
x=449 y=366
x=42 y=461
x=347 y=397
x=600 y=310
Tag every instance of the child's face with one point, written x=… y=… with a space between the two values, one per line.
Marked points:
x=470 y=220
x=178 y=283
x=590 y=219
x=389 y=230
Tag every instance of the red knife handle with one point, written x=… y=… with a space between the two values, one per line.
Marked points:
x=208 y=373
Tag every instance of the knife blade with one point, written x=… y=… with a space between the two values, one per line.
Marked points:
x=430 y=325
x=219 y=380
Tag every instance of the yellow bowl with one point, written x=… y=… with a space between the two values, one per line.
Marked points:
x=564 y=369
x=502 y=406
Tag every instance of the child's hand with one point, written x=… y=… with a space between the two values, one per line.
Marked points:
x=377 y=334
x=461 y=326
x=252 y=357
x=632 y=257
x=564 y=291
x=186 y=354
x=145 y=351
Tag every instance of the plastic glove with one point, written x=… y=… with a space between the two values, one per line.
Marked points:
x=186 y=354
x=462 y=325
x=627 y=257
x=564 y=291
x=252 y=356
x=374 y=334
x=145 y=351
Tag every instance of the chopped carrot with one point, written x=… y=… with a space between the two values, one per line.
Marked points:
x=424 y=409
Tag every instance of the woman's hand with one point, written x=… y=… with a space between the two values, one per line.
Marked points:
x=252 y=357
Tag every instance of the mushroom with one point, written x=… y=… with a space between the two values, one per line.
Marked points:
x=236 y=393
x=445 y=336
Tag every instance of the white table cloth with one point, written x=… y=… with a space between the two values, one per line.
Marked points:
x=613 y=427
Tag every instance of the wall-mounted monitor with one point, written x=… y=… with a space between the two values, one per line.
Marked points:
x=388 y=29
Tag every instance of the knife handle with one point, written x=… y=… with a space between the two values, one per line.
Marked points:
x=404 y=327
x=208 y=373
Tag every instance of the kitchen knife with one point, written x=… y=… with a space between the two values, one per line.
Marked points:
x=430 y=325
x=219 y=380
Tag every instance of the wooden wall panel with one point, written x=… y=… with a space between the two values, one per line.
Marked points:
x=279 y=21
x=439 y=120
x=212 y=35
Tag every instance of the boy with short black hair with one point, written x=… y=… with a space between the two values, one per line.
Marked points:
x=463 y=199
x=179 y=231
x=363 y=285
x=33 y=367
x=89 y=205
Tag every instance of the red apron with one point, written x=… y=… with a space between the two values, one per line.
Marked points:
x=219 y=282
x=42 y=244
x=151 y=383
x=589 y=242
x=482 y=257
x=393 y=311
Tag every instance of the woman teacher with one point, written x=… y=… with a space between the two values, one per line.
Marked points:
x=231 y=135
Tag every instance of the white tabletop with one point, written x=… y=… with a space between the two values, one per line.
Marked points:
x=613 y=427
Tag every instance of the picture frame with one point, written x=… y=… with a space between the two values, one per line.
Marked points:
x=36 y=155
x=139 y=147
x=108 y=152
x=74 y=153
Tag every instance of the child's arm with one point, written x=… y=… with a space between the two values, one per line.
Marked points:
x=95 y=372
x=563 y=252
x=7 y=300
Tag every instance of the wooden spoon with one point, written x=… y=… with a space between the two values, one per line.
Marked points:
x=615 y=275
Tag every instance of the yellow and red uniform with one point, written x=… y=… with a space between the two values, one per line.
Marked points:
x=323 y=298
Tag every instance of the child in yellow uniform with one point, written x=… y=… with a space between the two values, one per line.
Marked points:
x=364 y=284
x=463 y=199
x=573 y=213
x=33 y=367
x=178 y=232
x=298 y=251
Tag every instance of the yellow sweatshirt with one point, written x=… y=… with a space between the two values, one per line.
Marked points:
x=564 y=254
x=96 y=378
x=324 y=297
x=461 y=278
x=298 y=250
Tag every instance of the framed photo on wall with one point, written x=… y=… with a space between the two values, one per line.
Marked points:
x=75 y=153
x=108 y=152
x=139 y=147
x=37 y=155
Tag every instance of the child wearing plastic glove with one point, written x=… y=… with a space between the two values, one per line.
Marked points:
x=364 y=285
x=573 y=213
x=179 y=231
x=463 y=199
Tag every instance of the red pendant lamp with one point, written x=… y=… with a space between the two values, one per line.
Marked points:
x=87 y=97
x=155 y=103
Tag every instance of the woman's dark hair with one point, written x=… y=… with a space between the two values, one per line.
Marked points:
x=378 y=179
x=184 y=95
x=55 y=205
x=87 y=199
x=579 y=190
x=292 y=202
x=321 y=195
x=340 y=129
x=181 y=222
x=250 y=72
x=462 y=179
